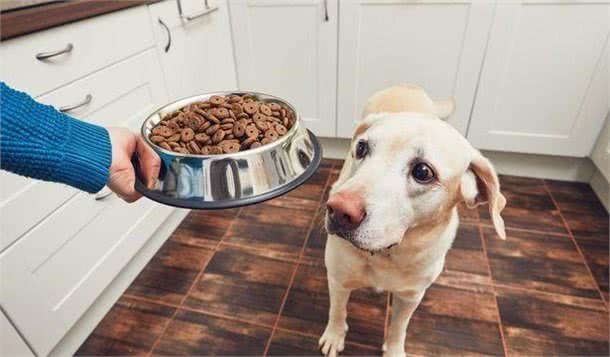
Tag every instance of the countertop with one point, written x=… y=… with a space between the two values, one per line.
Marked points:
x=24 y=21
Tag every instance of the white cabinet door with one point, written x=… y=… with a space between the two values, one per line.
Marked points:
x=11 y=344
x=200 y=55
x=52 y=275
x=288 y=48
x=544 y=84
x=437 y=45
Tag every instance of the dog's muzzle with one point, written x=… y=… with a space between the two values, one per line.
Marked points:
x=336 y=228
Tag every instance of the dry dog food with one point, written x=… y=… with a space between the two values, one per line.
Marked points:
x=223 y=124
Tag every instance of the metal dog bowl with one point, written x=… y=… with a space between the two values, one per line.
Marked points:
x=236 y=179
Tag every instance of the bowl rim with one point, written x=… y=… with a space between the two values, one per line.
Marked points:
x=283 y=139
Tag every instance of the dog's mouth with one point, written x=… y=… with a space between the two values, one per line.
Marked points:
x=335 y=229
x=350 y=235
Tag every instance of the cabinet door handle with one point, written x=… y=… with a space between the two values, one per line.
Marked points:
x=169 y=35
x=325 y=10
x=46 y=55
x=69 y=108
x=208 y=9
x=103 y=194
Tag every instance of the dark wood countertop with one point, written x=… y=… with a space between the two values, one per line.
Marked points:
x=24 y=21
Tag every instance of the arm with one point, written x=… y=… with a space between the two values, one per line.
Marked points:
x=40 y=142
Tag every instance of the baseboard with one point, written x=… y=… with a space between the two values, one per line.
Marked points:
x=335 y=148
x=528 y=165
x=87 y=323
x=542 y=166
x=601 y=188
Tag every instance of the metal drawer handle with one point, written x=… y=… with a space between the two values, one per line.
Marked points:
x=69 y=108
x=325 y=10
x=46 y=55
x=169 y=34
x=208 y=9
x=103 y=194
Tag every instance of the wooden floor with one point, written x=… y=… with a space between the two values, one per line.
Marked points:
x=251 y=281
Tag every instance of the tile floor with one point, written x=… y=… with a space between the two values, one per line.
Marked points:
x=251 y=281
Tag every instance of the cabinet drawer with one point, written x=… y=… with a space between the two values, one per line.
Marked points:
x=122 y=94
x=126 y=90
x=54 y=273
x=96 y=43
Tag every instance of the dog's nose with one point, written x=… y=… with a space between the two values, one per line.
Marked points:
x=346 y=209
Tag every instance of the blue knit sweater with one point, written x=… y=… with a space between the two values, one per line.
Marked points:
x=40 y=142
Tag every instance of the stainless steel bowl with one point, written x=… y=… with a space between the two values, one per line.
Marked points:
x=231 y=180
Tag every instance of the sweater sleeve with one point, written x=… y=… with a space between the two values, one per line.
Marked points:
x=40 y=142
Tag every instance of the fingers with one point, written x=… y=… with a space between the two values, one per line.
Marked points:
x=150 y=163
x=122 y=174
x=122 y=182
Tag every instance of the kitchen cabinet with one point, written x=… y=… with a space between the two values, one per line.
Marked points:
x=437 y=45
x=544 y=83
x=288 y=48
x=64 y=252
x=54 y=273
x=11 y=343
x=122 y=94
x=196 y=55
x=137 y=82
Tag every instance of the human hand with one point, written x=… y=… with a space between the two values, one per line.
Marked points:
x=122 y=177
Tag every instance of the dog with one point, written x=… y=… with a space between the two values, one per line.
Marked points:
x=392 y=213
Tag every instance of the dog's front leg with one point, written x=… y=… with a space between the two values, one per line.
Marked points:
x=403 y=306
x=333 y=339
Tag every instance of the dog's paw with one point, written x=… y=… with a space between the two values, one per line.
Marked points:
x=332 y=341
x=393 y=350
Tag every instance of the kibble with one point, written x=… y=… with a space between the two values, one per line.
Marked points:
x=223 y=124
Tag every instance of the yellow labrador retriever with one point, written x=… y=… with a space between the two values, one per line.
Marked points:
x=391 y=216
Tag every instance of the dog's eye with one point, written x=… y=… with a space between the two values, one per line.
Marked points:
x=362 y=148
x=423 y=173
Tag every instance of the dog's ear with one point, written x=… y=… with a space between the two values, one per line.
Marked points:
x=480 y=185
x=444 y=108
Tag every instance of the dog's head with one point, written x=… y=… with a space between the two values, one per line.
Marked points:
x=407 y=170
